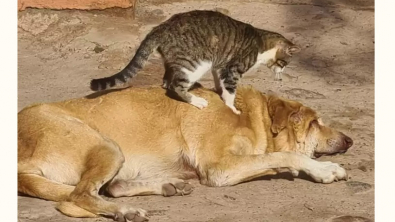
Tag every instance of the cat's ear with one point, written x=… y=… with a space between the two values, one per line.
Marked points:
x=280 y=112
x=292 y=49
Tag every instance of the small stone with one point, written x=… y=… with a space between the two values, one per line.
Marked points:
x=303 y=93
x=222 y=10
x=36 y=23
x=98 y=49
x=348 y=218
x=358 y=187
x=308 y=207
x=229 y=197
x=363 y=168
x=80 y=4
x=318 y=17
x=319 y=63
x=157 y=12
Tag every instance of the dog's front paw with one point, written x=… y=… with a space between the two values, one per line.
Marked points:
x=327 y=172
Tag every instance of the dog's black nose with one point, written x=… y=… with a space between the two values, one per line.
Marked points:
x=348 y=142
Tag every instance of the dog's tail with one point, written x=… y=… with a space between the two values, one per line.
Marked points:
x=147 y=47
x=72 y=210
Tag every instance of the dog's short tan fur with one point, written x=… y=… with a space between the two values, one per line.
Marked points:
x=137 y=141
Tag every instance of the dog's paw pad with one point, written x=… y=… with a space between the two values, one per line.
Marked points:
x=176 y=189
x=184 y=188
x=168 y=190
x=134 y=215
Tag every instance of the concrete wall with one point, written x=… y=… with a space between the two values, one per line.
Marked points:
x=75 y=4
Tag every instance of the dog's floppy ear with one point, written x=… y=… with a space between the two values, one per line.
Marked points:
x=300 y=122
x=280 y=111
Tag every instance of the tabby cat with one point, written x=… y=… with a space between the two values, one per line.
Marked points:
x=194 y=42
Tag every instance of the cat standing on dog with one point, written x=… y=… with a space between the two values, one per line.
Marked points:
x=194 y=42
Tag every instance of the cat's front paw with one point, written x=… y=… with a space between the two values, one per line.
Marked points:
x=278 y=77
x=236 y=111
x=165 y=85
x=199 y=102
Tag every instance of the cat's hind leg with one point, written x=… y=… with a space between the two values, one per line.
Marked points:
x=167 y=77
x=182 y=80
x=218 y=87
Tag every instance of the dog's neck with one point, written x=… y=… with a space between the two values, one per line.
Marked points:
x=253 y=106
x=255 y=113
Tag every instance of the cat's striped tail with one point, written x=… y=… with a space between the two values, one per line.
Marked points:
x=146 y=48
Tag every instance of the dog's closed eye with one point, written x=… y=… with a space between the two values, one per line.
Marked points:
x=313 y=123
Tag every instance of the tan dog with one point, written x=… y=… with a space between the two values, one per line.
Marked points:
x=137 y=141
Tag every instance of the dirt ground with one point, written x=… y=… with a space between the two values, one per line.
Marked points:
x=59 y=52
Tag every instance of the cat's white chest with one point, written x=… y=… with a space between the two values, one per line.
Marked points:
x=264 y=58
x=200 y=70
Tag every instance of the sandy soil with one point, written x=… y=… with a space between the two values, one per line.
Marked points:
x=60 y=51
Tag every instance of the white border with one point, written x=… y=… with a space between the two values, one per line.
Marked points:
x=384 y=110
x=8 y=116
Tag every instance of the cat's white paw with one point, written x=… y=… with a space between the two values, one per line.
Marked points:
x=165 y=85
x=327 y=172
x=199 y=102
x=278 y=76
x=236 y=111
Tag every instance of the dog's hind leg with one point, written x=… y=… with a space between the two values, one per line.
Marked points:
x=38 y=186
x=165 y=187
x=33 y=183
x=102 y=164
x=234 y=169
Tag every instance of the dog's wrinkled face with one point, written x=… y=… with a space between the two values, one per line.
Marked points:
x=298 y=128
x=325 y=140
x=314 y=138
